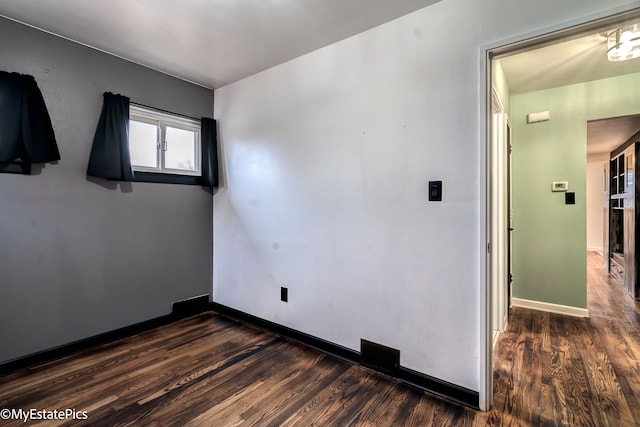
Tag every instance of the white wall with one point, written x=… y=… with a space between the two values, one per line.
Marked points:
x=327 y=159
x=595 y=196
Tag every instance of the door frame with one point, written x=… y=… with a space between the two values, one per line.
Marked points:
x=509 y=213
x=500 y=221
x=590 y=23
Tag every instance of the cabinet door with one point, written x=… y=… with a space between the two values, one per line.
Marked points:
x=630 y=222
x=605 y=214
x=629 y=156
x=613 y=174
x=622 y=173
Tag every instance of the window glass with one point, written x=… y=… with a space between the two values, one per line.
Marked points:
x=143 y=143
x=180 y=149
x=163 y=143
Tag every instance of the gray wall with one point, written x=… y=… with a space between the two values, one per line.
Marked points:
x=79 y=257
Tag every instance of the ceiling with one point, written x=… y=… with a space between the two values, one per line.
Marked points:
x=574 y=61
x=603 y=136
x=215 y=42
x=208 y=42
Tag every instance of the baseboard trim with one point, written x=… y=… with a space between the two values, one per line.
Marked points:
x=406 y=376
x=64 y=350
x=594 y=249
x=550 y=307
x=444 y=389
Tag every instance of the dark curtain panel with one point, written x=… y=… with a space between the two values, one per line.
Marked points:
x=25 y=126
x=209 y=152
x=110 y=156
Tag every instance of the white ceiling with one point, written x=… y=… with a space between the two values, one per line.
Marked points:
x=208 y=42
x=604 y=136
x=575 y=61
x=216 y=42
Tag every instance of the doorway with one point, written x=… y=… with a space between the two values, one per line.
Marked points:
x=557 y=163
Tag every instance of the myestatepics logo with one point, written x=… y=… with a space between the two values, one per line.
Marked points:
x=42 y=414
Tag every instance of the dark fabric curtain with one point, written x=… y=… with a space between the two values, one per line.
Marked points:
x=25 y=126
x=110 y=156
x=209 y=152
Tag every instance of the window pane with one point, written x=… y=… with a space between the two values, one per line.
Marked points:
x=181 y=149
x=143 y=140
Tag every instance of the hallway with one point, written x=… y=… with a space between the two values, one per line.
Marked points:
x=556 y=370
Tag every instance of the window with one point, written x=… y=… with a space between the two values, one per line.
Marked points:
x=164 y=143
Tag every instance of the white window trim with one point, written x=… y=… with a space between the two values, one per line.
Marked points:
x=162 y=120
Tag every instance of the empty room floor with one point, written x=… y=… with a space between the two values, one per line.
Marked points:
x=210 y=370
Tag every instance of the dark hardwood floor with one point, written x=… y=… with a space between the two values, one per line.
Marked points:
x=555 y=370
x=209 y=370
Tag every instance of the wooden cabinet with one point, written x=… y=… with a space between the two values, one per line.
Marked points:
x=605 y=215
x=616 y=216
x=621 y=218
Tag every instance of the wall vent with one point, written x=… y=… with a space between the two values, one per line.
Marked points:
x=379 y=357
x=190 y=306
x=542 y=116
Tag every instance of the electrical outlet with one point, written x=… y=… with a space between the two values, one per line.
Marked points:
x=284 y=294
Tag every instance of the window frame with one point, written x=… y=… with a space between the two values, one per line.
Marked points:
x=162 y=120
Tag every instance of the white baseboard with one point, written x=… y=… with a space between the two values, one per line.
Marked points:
x=552 y=308
x=594 y=249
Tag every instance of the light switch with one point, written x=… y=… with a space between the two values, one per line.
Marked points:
x=570 y=198
x=435 y=191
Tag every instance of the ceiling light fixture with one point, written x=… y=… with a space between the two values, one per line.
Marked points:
x=624 y=43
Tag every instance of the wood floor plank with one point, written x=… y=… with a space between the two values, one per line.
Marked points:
x=318 y=378
x=98 y=360
x=318 y=405
x=271 y=368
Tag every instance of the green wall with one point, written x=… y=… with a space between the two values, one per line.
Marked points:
x=549 y=241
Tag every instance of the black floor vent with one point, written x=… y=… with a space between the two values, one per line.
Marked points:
x=191 y=306
x=379 y=357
